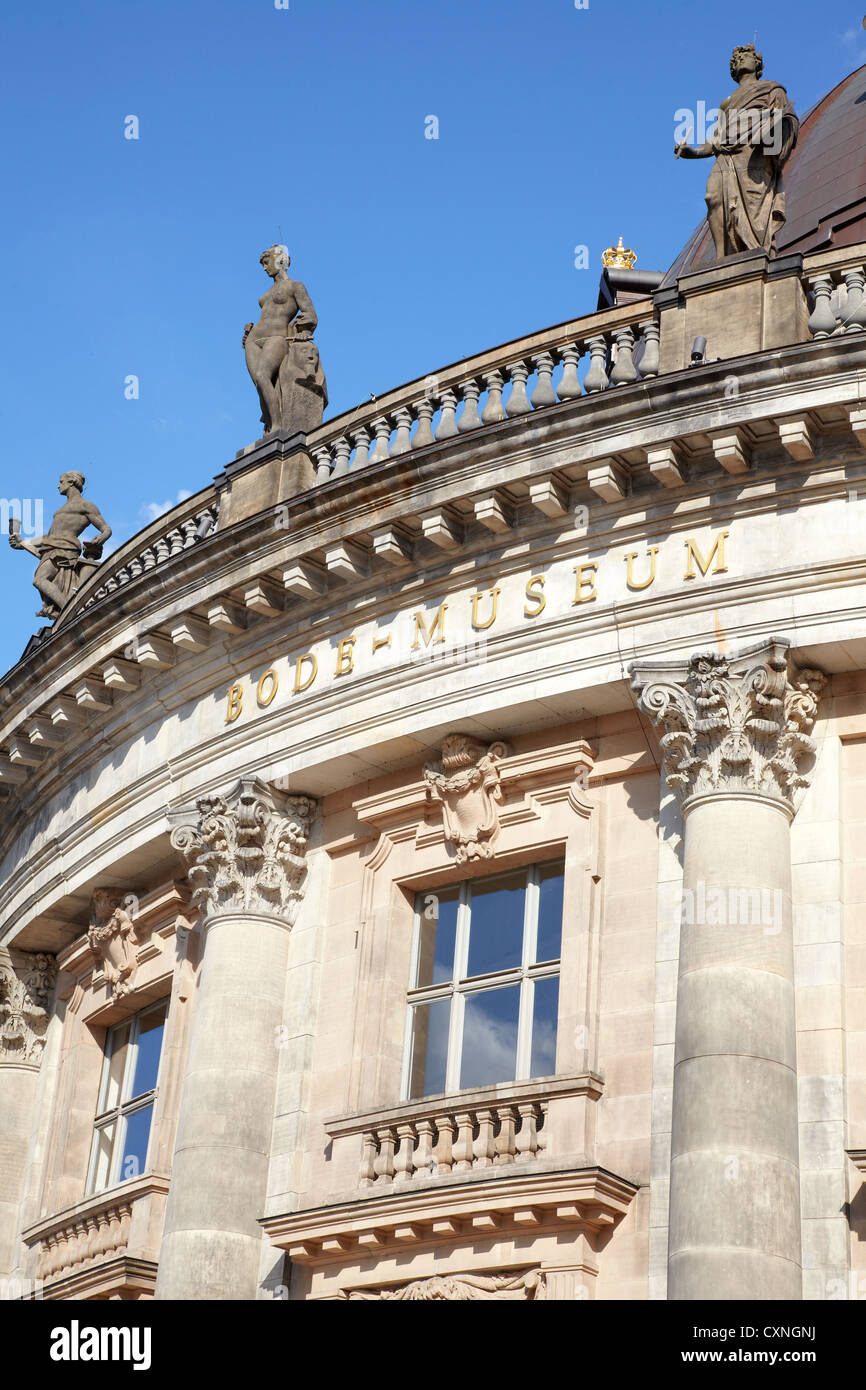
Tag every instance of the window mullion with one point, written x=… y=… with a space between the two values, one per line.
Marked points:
x=458 y=1007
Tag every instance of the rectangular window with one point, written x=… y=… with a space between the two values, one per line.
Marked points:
x=127 y=1093
x=485 y=982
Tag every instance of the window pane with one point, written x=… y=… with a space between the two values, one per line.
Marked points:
x=149 y=1047
x=496 y=924
x=438 y=914
x=550 y=881
x=119 y=1043
x=544 y=1012
x=490 y=1036
x=135 y=1143
x=429 y=1048
x=103 y=1143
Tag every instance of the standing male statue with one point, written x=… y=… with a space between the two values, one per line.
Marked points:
x=63 y=560
x=282 y=358
x=755 y=133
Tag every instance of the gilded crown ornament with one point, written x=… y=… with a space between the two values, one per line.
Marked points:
x=619 y=257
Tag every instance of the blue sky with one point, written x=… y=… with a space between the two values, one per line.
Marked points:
x=140 y=256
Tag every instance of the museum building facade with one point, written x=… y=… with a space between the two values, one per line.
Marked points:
x=432 y=860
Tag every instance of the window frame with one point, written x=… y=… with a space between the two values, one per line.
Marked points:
x=119 y=1113
x=460 y=985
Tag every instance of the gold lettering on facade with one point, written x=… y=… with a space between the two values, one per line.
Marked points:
x=694 y=556
x=585 y=581
x=652 y=551
x=305 y=685
x=381 y=642
x=534 y=595
x=429 y=635
x=262 y=699
x=480 y=627
x=345 y=653
x=235 y=703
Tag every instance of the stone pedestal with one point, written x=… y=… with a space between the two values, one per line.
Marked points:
x=737 y=748
x=246 y=855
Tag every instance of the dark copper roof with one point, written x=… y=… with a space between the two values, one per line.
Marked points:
x=824 y=181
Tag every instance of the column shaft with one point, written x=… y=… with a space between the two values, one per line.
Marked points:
x=735 y=1197
x=212 y=1240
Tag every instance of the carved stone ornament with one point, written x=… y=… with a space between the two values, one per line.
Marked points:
x=734 y=722
x=466 y=781
x=111 y=935
x=464 y=1287
x=26 y=986
x=246 y=850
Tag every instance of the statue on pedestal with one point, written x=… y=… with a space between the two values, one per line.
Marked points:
x=282 y=358
x=64 y=561
x=755 y=133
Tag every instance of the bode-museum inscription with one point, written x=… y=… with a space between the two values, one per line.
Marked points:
x=440 y=629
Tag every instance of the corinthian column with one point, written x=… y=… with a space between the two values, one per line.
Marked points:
x=737 y=749
x=26 y=990
x=246 y=857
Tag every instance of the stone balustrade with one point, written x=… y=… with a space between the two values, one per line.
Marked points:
x=453 y=1140
x=132 y=560
x=490 y=389
x=838 y=299
x=124 y=1222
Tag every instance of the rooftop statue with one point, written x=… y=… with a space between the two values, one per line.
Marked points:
x=64 y=561
x=282 y=358
x=755 y=133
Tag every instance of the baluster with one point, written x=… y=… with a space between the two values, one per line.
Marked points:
x=823 y=320
x=447 y=426
x=382 y=446
x=385 y=1161
x=596 y=377
x=493 y=410
x=484 y=1147
x=424 y=411
x=855 y=314
x=122 y=576
x=125 y=1223
x=175 y=542
x=134 y=567
x=423 y=1160
x=649 y=363
x=402 y=441
x=342 y=450
x=541 y=1127
x=161 y=550
x=367 y=1171
x=624 y=371
x=544 y=393
x=189 y=533
x=526 y=1141
x=361 y=439
x=469 y=419
x=505 y=1139
x=444 y=1153
x=403 y=1161
x=569 y=387
x=462 y=1152
x=518 y=403
x=148 y=559
x=323 y=459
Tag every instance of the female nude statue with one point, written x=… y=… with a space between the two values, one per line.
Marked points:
x=756 y=131
x=275 y=365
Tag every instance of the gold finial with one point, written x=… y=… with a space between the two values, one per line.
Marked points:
x=619 y=257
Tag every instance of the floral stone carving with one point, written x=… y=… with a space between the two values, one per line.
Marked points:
x=463 y=1287
x=112 y=937
x=734 y=722
x=246 y=850
x=26 y=986
x=466 y=781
